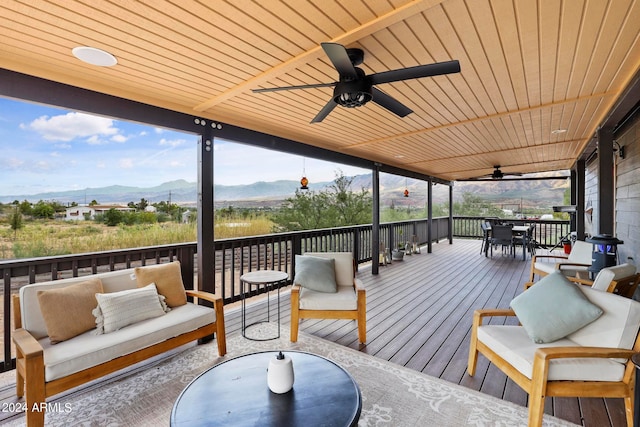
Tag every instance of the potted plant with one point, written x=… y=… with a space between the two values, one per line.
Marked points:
x=398 y=254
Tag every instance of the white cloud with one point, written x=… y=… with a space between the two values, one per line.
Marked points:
x=172 y=142
x=119 y=138
x=125 y=163
x=67 y=127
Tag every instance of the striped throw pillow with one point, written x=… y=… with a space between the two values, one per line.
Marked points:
x=119 y=309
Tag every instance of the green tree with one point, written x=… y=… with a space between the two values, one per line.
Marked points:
x=474 y=205
x=334 y=207
x=15 y=220
x=43 y=210
x=113 y=217
x=142 y=205
x=25 y=207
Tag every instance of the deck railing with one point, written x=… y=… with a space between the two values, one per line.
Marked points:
x=234 y=257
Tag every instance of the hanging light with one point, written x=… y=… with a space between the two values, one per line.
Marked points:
x=406 y=189
x=304 y=182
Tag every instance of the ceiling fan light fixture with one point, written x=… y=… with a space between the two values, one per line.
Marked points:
x=353 y=93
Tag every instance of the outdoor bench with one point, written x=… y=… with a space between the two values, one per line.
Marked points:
x=49 y=361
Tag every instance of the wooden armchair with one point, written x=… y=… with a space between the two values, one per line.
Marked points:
x=620 y=279
x=349 y=302
x=579 y=258
x=593 y=361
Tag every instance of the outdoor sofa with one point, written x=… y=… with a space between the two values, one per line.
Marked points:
x=142 y=312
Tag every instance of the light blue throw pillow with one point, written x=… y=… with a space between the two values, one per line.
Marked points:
x=553 y=308
x=315 y=273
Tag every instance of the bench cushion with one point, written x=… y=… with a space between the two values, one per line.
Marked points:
x=31 y=315
x=88 y=349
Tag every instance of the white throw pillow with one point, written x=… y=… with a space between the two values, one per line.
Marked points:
x=119 y=309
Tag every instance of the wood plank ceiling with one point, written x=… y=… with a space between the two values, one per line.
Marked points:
x=529 y=67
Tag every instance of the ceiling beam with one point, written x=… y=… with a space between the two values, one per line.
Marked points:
x=479 y=119
x=403 y=12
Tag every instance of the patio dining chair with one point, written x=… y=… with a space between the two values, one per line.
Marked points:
x=502 y=235
x=486 y=233
x=526 y=240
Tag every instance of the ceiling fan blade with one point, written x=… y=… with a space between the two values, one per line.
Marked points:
x=390 y=103
x=340 y=59
x=416 y=72
x=276 y=89
x=325 y=111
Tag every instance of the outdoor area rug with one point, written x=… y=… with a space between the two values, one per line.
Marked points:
x=392 y=395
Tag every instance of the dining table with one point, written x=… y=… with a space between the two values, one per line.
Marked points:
x=517 y=232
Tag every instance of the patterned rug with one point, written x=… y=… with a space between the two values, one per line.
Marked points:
x=392 y=395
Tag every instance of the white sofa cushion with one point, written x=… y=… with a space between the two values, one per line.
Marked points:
x=344 y=299
x=32 y=319
x=88 y=349
x=513 y=344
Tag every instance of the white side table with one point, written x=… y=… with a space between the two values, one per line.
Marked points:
x=261 y=278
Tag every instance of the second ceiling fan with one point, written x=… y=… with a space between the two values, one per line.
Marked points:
x=355 y=88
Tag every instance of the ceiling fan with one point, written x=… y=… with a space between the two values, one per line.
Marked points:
x=496 y=174
x=355 y=88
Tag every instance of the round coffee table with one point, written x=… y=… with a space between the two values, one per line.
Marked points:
x=235 y=393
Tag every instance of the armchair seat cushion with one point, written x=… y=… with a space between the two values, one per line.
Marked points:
x=343 y=299
x=512 y=343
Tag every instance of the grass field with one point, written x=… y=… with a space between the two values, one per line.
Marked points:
x=56 y=237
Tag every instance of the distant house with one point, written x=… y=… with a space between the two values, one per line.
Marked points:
x=80 y=213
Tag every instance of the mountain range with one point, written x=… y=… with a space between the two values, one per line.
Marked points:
x=261 y=193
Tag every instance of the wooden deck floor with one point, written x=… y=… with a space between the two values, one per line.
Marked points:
x=419 y=315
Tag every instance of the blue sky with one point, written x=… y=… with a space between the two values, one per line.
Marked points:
x=48 y=149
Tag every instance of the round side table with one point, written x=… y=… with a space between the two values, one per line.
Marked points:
x=267 y=278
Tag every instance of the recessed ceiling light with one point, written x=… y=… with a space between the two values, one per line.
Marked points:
x=94 y=56
x=558 y=131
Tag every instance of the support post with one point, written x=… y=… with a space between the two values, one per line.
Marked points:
x=375 y=226
x=429 y=215
x=580 y=199
x=206 y=250
x=606 y=190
